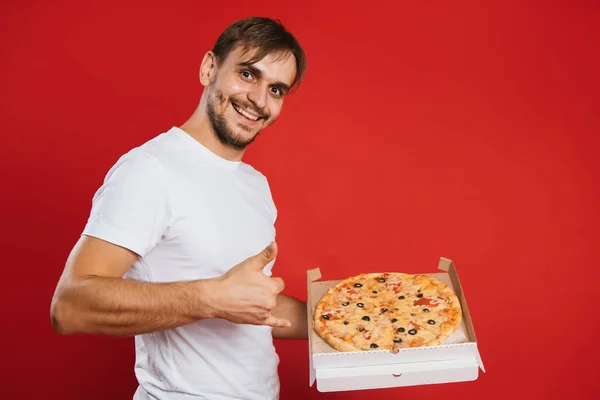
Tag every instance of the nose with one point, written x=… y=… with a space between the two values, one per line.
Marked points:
x=258 y=96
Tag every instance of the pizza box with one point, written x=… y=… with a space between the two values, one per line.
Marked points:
x=456 y=360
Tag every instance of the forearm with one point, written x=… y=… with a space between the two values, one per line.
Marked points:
x=124 y=307
x=294 y=311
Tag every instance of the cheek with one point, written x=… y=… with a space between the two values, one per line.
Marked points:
x=275 y=109
x=218 y=99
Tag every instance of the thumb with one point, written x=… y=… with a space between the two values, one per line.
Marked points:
x=276 y=322
x=266 y=256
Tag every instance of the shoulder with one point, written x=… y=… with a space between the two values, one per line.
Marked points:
x=149 y=157
x=255 y=176
x=134 y=164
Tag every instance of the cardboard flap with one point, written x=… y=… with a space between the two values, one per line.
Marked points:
x=480 y=362
x=312 y=275
x=444 y=264
x=374 y=370
x=447 y=265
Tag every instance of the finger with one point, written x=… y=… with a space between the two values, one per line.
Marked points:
x=279 y=284
x=276 y=322
x=266 y=256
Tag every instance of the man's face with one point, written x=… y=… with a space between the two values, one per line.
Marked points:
x=243 y=98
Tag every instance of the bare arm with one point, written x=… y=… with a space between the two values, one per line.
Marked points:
x=294 y=311
x=92 y=297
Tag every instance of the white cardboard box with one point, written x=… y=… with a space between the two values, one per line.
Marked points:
x=457 y=360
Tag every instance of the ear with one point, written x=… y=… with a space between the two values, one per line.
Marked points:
x=208 y=68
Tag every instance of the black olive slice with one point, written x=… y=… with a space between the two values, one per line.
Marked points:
x=426 y=310
x=345 y=303
x=325 y=316
x=346 y=322
x=397 y=340
x=400 y=330
x=366 y=318
x=412 y=332
x=358 y=285
x=420 y=295
x=374 y=345
x=382 y=280
x=431 y=322
x=401 y=298
x=361 y=305
x=384 y=310
x=394 y=320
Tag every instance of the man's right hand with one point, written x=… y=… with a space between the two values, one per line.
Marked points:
x=245 y=295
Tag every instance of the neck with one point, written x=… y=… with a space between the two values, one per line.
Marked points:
x=199 y=127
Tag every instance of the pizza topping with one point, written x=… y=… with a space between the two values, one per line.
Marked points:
x=426 y=310
x=394 y=320
x=374 y=291
x=345 y=303
x=325 y=316
x=346 y=322
x=420 y=294
x=431 y=322
x=361 y=305
x=374 y=345
x=366 y=318
x=425 y=302
x=382 y=280
x=384 y=310
x=412 y=332
x=416 y=326
x=358 y=285
x=397 y=340
x=361 y=329
x=400 y=330
x=401 y=298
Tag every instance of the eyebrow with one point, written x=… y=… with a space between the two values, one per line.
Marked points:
x=258 y=73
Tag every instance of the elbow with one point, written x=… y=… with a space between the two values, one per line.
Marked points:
x=59 y=317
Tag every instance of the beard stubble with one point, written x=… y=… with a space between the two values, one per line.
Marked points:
x=222 y=128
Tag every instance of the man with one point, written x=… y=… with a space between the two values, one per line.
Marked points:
x=191 y=228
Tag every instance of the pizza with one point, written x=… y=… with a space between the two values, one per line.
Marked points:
x=387 y=311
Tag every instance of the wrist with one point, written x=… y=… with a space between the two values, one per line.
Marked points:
x=206 y=304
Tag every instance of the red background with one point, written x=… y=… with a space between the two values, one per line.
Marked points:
x=423 y=129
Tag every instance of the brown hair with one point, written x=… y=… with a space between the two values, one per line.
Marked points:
x=265 y=36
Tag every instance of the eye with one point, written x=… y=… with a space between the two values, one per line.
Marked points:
x=247 y=74
x=275 y=90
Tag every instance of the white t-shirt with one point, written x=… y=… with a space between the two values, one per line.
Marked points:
x=190 y=215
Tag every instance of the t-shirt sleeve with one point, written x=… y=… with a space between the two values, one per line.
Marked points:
x=131 y=209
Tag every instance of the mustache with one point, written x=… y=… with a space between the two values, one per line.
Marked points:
x=249 y=106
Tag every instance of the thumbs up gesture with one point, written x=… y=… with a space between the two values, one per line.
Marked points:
x=245 y=295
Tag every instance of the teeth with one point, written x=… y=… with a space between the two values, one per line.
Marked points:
x=245 y=113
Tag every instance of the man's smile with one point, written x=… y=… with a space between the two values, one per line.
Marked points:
x=245 y=112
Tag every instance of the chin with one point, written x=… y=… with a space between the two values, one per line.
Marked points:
x=237 y=138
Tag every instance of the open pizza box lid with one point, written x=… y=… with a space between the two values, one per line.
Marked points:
x=458 y=349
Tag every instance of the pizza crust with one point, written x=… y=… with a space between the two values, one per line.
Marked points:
x=387 y=311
